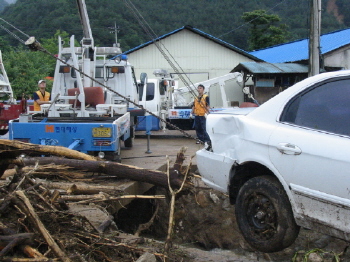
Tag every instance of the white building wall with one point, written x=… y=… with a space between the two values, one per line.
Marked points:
x=199 y=57
x=338 y=58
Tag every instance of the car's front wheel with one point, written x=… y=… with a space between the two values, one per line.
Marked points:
x=264 y=215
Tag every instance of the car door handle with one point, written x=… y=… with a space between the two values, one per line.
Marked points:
x=288 y=149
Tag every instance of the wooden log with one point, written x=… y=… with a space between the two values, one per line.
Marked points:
x=10 y=148
x=10 y=234
x=3 y=168
x=14 y=259
x=32 y=252
x=12 y=241
x=27 y=207
x=114 y=169
x=83 y=197
x=102 y=197
x=22 y=236
x=5 y=203
x=79 y=188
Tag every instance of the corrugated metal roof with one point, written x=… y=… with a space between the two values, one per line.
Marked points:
x=299 y=50
x=271 y=68
x=199 y=32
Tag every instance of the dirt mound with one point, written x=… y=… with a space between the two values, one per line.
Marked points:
x=205 y=219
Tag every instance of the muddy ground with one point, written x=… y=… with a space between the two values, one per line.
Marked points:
x=205 y=227
x=205 y=220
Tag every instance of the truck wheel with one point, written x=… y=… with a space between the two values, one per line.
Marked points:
x=130 y=141
x=115 y=156
x=264 y=215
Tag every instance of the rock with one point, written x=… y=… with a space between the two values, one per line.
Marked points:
x=147 y=257
x=202 y=199
x=226 y=205
x=314 y=257
x=322 y=242
x=214 y=197
x=198 y=183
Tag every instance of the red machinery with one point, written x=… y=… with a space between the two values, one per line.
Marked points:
x=9 y=107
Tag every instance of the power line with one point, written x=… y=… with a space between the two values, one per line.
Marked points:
x=163 y=50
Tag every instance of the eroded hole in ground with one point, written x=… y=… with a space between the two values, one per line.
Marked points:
x=204 y=218
x=139 y=211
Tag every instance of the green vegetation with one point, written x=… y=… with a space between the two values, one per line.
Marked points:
x=24 y=67
x=222 y=19
x=265 y=30
x=275 y=22
x=3 y=4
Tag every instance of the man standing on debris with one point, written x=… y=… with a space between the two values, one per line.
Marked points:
x=41 y=96
x=200 y=109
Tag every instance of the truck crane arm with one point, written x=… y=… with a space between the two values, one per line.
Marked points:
x=87 y=40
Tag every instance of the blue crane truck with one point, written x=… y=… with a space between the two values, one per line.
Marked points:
x=93 y=100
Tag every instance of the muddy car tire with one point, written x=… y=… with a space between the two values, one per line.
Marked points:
x=264 y=215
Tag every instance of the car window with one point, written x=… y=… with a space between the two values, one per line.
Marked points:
x=150 y=91
x=324 y=107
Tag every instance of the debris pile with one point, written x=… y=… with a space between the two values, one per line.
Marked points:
x=42 y=200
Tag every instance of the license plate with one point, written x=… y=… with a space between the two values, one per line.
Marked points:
x=102 y=132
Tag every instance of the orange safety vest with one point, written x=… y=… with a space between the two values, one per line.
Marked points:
x=46 y=97
x=200 y=106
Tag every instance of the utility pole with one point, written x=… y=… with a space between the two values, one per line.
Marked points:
x=314 y=40
x=115 y=30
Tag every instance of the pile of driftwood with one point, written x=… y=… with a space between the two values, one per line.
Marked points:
x=35 y=219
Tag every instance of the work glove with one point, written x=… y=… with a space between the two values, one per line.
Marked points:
x=191 y=116
x=206 y=115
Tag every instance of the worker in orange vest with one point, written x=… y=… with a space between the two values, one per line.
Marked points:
x=200 y=109
x=41 y=96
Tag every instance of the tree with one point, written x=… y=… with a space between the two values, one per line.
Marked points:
x=24 y=67
x=265 y=29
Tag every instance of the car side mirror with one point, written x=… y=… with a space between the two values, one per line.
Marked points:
x=143 y=78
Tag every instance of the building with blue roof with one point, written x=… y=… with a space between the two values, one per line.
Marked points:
x=335 y=51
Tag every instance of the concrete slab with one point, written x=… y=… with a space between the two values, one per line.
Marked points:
x=161 y=144
x=152 y=154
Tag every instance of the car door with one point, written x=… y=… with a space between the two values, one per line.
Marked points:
x=311 y=151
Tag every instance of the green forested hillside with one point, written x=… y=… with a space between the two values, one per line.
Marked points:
x=3 y=4
x=220 y=18
x=46 y=19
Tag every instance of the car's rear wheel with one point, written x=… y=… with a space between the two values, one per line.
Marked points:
x=264 y=215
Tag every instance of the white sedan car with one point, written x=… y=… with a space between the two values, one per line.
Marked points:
x=286 y=163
